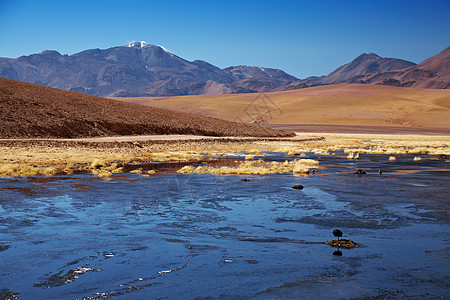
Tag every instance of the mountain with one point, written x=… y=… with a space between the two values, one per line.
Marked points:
x=366 y=64
x=137 y=69
x=247 y=72
x=433 y=72
x=28 y=110
x=363 y=65
x=257 y=79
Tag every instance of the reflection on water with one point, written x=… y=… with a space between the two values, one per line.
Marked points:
x=337 y=252
x=201 y=235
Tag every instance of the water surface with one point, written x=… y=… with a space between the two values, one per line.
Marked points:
x=184 y=236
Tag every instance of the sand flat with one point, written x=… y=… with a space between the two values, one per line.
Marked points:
x=342 y=104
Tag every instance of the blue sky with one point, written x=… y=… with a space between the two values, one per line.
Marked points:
x=303 y=38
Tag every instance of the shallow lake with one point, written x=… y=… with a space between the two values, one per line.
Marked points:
x=184 y=236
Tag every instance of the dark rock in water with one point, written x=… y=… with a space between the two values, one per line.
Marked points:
x=7 y=294
x=360 y=171
x=343 y=243
x=337 y=253
x=297 y=187
x=252 y=261
x=244 y=179
x=4 y=247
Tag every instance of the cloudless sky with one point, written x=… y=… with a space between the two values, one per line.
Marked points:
x=303 y=38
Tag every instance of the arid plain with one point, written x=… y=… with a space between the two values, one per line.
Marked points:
x=392 y=108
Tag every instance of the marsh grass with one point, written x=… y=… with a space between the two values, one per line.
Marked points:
x=43 y=160
x=258 y=167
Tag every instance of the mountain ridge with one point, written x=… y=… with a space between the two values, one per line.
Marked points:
x=433 y=72
x=144 y=70
x=136 y=69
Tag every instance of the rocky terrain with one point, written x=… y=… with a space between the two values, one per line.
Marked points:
x=30 y=111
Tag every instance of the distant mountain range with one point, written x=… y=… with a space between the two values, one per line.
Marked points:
x=138 y=69
x=141 y=69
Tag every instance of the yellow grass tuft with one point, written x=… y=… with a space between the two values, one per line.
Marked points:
x=290 y=150
x=417 y=158
x=97 y=163
x=258 y=167
x=68 y=169
x=392 y=158
x=320 y=151
x=102 y=172
x=48 y=171
x=186 y=170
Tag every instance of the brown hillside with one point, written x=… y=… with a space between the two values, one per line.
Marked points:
x=29 y=110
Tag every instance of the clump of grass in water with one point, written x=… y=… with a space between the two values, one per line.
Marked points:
x=343 y=244
x=353 y=155
x=258 y=167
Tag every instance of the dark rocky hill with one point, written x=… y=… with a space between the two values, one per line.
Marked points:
x=29 y=111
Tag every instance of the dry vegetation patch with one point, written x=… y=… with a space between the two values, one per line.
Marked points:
x=343 y=244
x=258 y=167
x=29 y=158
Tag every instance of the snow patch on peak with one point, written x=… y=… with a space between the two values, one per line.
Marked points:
x=143 y=44
x=140 y=44
x=162 y=47
x=165 y=50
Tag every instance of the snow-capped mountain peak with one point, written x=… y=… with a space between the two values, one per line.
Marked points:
x=140 y=44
